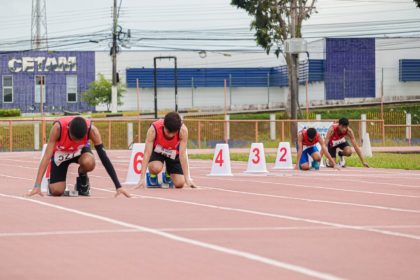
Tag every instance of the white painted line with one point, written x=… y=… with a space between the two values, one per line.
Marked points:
x=193 y=229
x=170 y=236
x=66 y=232
x=273 y=215
x=249 y=180
x=316 y=200
x=379 y=183
x=397 y=234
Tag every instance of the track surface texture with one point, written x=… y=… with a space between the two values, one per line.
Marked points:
x=349 y=224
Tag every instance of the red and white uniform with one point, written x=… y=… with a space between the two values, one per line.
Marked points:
x=337 y=138
x=66 y=148
x=165 y=146
x=305 y=139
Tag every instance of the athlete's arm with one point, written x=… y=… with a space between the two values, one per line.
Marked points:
x=330 y=132
x=299 y=150
x=148 y=149
x=324 y=150
x=356 y=147
x=96 y=138
x=54 y=136
x=183 y=135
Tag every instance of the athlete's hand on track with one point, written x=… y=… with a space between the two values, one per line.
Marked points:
x=191 y=184
x=365 y=164
x=140 y=185
x=122 y=191
x=296 y=167
x=337 y=167
x=34 y=191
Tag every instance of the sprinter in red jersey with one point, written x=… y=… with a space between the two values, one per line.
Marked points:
x=69 y=143
x=166 y=142
x=336 y=139
x=306 y=146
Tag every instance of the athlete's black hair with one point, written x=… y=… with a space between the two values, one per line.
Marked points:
x=172 y=122
x=311 y=132
x=78 y=128
x=343 y=122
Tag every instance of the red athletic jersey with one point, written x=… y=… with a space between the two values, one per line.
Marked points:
x=305 y=138
x=163 y=145
x=64 y=143
x=337 y=138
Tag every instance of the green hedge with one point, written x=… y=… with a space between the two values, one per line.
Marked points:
x=9 y=112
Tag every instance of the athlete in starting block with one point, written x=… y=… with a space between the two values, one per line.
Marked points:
x=69 y=143
x=306 y=146
x=336 y=139
x=166 y=142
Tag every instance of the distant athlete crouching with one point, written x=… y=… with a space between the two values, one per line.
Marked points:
x=306 y=146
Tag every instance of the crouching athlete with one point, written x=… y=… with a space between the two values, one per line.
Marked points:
x=69 y=143
x=166 y=142
x=306 y=146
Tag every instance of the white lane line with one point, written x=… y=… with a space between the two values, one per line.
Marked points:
x=77 y=232
x=206 y=164
x=63 y=232
x=293 y=198
x=379 y=183
x=250 y=180
x=296 y=228
x=173 y=237
x=269 y=214
x=316 y=200
x=193 y=229
x=273 y=215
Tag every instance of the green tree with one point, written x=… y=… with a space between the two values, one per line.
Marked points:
x=274 y=22
x=100 y=92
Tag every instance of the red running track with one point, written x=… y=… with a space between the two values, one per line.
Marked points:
x=349 y=224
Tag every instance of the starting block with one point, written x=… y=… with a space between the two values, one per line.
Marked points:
x=71 y=193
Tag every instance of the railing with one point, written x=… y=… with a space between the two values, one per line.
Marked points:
x=27 y=135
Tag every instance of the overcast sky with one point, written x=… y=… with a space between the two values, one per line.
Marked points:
x=189 y=18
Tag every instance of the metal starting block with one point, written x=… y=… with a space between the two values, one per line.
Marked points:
x=71 y=193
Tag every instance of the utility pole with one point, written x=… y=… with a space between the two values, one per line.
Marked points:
x=39 y=25
x=114 y=96
x=294 y=78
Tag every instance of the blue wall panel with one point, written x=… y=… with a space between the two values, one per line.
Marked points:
x=214 y=77
x=409 y=70
x=350 y=68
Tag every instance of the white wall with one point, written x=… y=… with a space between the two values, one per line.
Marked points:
x=206 y=98
x=388 y=54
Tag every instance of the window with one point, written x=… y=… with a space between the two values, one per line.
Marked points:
x=7 y=89
x=71 y=81
x=38 y=80
x=409 y=70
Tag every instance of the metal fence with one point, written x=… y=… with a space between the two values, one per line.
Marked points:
x=29 y=135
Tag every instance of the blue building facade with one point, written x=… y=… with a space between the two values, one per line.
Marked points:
x=60 y=76
x=350 y=68
x=214 y=77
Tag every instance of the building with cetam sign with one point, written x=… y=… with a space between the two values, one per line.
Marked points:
x=60 y=76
